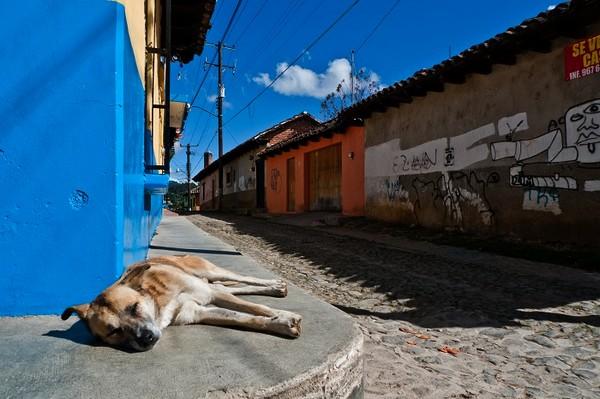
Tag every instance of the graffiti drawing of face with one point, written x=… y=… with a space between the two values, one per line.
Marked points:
x=582 y=124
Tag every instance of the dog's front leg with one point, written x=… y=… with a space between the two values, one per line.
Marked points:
x=279 y=290
x=219 y=274
x=193 y=313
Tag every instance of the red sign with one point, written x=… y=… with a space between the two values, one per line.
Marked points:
x=582 y=58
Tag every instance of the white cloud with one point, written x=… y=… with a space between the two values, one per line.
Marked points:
x=298 y=81
x=213 y=98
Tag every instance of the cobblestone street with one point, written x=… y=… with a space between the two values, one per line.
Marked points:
x=438 y=326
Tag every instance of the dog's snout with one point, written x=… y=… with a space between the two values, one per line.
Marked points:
x=146 y=337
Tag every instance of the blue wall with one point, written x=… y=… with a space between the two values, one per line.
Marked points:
x=71 y=154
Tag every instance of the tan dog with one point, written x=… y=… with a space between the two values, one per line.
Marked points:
x=158 y=292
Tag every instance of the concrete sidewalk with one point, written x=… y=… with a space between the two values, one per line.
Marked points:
x=44 y=357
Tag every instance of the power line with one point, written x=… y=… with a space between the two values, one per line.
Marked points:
x=212 y=61
x=383 y=18
x=195 y=96
x=203 y=80
x=219 y=8
x=235 y=42
x=232 y=136
x=200 y=159
x=204 y=130
x=301 y=24
x=267 y=39
x=310 y=46
x=231 y=20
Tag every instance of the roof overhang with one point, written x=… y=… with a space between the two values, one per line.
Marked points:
x=191 y=22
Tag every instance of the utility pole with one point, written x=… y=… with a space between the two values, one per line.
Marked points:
x=220 y=95
x=188 y=152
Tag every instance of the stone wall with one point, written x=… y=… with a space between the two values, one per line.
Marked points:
x=515 y=152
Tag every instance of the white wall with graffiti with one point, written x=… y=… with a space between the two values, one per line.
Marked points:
x=502 y=152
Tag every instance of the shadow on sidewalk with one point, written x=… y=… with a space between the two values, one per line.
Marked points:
x=195 y=250
x=78 y=333
x=435 y=292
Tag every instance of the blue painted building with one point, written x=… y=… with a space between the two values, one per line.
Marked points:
x=85 y=137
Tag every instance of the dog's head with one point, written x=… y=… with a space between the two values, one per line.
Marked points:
x=121 y=317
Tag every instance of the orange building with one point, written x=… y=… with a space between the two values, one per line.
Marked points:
x=321 y=170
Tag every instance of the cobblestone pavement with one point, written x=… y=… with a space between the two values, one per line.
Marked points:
x=442 y=327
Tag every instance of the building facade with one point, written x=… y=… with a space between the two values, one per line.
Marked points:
x=502 y=139
x=322 y=170
x=243 y=171
x=83 y=166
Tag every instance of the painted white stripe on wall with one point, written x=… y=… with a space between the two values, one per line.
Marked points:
x=440 y=155
x=512 y=124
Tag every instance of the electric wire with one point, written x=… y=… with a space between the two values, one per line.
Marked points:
x=230 y=24
x=301 y=24
x=310 y=46
x=256 y=14
x=261 y=47
x=225 y=33
x=193 y=171
x=383 y=18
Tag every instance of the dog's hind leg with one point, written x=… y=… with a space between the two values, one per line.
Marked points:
x=192 y=313
x=230 y=301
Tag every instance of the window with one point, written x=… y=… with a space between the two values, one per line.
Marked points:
x=229 y=176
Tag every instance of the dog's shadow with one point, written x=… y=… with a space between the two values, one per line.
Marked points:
x=77 y=333
x=80 y=334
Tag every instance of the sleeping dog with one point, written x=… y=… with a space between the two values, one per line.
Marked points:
x=158 y=292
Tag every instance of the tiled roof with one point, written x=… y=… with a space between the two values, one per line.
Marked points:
x=265 y=137
x=533 y=34
x=326 y=129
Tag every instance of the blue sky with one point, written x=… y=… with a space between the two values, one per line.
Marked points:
x=417 y=34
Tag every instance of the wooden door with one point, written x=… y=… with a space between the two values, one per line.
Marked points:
x=325 y=178
x=291 y=185
x=260 y=183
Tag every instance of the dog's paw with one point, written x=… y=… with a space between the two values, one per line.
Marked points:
x=288 y=323
x=280 y=289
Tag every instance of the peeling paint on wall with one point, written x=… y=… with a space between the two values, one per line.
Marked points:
x=78 y=199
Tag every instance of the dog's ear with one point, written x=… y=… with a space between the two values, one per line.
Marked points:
x=81 y=310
